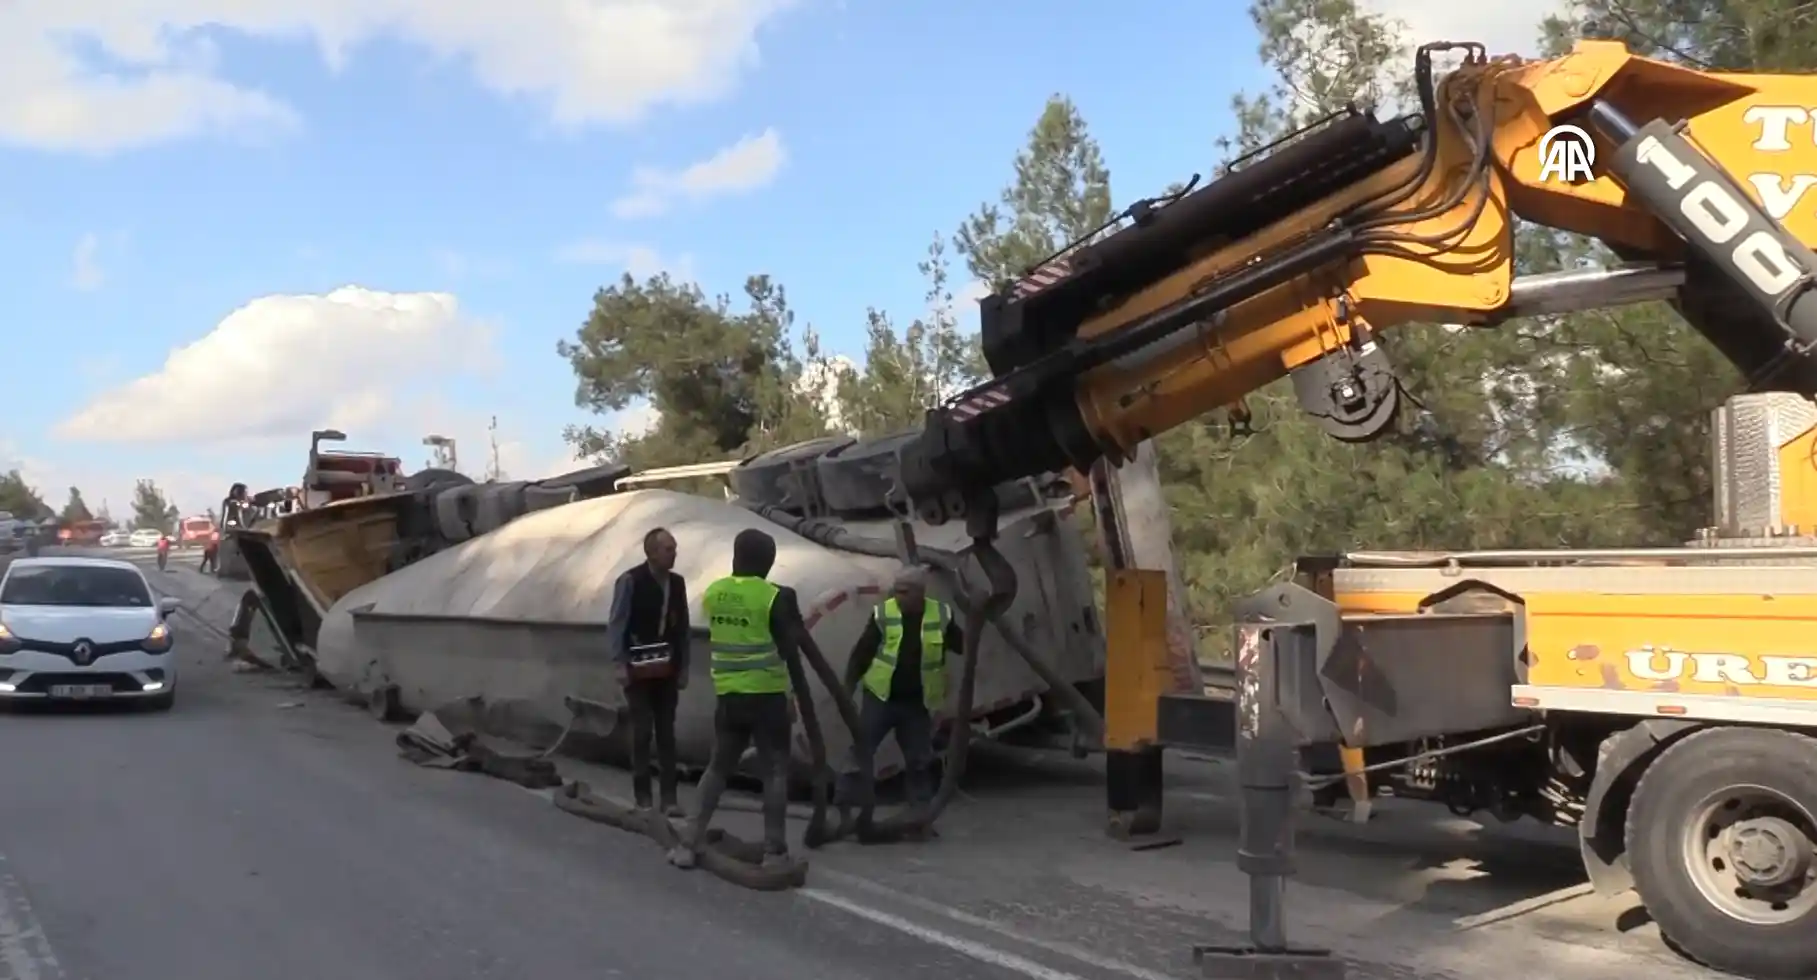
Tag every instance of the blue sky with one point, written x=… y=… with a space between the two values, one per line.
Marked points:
x=477 y=151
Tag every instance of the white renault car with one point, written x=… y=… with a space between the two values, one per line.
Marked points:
x=84 y=629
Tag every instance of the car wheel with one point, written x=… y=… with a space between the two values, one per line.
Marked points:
x=161 y=702
x=1721 y=834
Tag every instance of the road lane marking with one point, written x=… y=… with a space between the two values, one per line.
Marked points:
x=1520 y=907
x=976 y=950
x=25 y=952
x=1057 y=947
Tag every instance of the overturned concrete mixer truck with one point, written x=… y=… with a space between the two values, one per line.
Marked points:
x=446 y=590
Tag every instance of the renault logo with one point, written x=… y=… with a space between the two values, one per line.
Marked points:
x=83 y=652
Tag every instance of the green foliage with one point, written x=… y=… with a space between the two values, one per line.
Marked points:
x=151 y=510
x=1060 y=195
x=1641 y=382
x=76 y=509
x=20 y=499
x=1579 y=430
x=723 y=382
x=905 y=374
x=1718 y=35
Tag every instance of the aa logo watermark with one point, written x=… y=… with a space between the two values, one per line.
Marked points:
x=1566 y=154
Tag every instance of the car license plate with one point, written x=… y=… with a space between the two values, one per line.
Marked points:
x=81 y=691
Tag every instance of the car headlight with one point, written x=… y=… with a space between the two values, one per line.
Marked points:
x=8 y=642
x=158 y=640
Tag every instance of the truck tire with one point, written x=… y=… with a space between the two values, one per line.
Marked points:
x=1720 y=837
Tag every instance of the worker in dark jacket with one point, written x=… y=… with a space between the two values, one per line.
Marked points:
x=899 y=665
x=648 y=637
x=757 y=634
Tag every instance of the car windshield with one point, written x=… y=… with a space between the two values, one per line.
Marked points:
x=74 y=585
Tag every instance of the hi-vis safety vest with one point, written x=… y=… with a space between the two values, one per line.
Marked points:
x=745 y=658
x=934 y=619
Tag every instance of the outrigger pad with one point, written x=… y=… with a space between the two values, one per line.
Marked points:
x=1248 y=963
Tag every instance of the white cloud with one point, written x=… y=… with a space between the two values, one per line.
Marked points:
x=641 y=261
x=1504 y=28
x=97 y=76
x=85 y=272
x=283 y=365
x=744 y=166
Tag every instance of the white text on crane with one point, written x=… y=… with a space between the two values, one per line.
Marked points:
x=1773 y=125
x=1660 y=664
x=1566 y=154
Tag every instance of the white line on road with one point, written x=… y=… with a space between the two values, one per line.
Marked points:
x=25 y=952
x=1063 y=949
x=975 y=950
x=1521 y=907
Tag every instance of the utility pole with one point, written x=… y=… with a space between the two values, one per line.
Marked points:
x=492 y=471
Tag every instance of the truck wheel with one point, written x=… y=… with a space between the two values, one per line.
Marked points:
x=1721 y=834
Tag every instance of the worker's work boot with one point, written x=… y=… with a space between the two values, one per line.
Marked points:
x=777 y=860
x=672 y=809
x=682 y=856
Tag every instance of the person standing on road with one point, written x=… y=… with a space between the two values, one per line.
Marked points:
x=648 y=638
x=757 y=635
x=211 y=550
x=898 y=667
x=163 y=551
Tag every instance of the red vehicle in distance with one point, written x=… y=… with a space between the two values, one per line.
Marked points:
x=195 y=532
x=82 y=533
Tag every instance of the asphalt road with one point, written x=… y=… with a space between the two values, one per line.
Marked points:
x=254 y=833
x=259 y=831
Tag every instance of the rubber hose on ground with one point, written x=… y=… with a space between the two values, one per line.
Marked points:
x=810 y=723
x=731 y=858
x=817 y=833
x=841 y=538
x=918 y=819
x=1076 y=702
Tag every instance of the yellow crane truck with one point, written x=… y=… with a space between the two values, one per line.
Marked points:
x=1661 y=701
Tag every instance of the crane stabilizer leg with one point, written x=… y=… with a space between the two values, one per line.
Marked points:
x=1271 y=646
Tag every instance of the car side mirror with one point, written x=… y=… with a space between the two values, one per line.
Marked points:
x=169 y=604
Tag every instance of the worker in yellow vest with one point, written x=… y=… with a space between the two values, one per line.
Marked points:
x=899 y=663
x=755 y=633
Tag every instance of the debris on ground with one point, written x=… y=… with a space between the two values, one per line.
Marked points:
x=433 y=743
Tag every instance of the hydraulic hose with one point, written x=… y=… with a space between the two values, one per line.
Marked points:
x=842 y=539
x=920 y=818
x=817 y=834
x=731 y=858
x=1002 y=578
x=810 y=723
